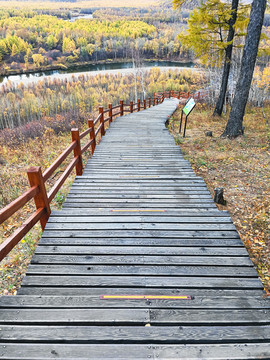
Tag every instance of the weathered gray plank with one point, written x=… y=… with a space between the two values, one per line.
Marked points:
x=141 y=242
x=138 y=204
x=142 y=281
x=134 y=250
x=141 y=219
x=88 y=225
x=134 y=316
x=202 y=299
x=79 y=316
x=93 y=291
x=233 y=351
x=141 y=260
x=189 y=200
x=214 y=317
x=141 y=190
x=142 y=196
x=186 y=213
x=142 y=270
x=200 y=234
x=127 y=334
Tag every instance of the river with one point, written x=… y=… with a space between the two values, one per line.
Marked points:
x=111 y=68
x=80 y=16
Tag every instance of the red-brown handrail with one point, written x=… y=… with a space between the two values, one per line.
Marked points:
x=17 y=204
x=37 y=180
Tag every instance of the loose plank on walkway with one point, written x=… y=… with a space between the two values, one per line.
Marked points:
x=138 y=231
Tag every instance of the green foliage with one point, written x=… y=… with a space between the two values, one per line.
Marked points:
x=178 y=140
x=59 y=199
x=208 y=28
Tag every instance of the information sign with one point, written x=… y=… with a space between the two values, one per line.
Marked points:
x=189 y=106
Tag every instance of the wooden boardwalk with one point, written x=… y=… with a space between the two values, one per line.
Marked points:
x=138 y=223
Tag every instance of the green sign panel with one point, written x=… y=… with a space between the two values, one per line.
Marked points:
x=189 y=106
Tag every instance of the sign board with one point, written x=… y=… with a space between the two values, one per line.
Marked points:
x=189 y=106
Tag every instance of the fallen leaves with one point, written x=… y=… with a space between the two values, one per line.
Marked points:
x=242 y=168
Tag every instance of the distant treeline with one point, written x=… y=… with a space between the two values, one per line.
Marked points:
x=42 y=38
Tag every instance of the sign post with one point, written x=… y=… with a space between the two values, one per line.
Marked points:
x=189 y=106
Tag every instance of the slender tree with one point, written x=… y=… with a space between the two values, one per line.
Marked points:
x=211 y=31
x=227 y=61
x=234 y=126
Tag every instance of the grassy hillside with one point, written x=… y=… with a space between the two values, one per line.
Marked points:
x=242 y=168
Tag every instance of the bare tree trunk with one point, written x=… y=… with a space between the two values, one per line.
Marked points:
x=135 y=77
x=142 y=84
x=227 y=63
x=234 y=125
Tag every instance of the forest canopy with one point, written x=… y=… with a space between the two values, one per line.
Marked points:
x=31 y=39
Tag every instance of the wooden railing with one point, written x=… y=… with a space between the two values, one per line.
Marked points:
x=37 y=179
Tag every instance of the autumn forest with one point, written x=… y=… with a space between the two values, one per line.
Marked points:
x=31 y=40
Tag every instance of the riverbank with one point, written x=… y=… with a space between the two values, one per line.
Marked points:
x=93 y=69
x=81 y=64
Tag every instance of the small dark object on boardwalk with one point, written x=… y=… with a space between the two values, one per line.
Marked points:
x=218 y=198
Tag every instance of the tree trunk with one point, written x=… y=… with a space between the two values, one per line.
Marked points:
x=234 y=125
x=228 y=57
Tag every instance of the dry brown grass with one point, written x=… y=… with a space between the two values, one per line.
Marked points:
x=241 y=166
x=14 y=163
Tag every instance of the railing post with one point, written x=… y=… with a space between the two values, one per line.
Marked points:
x=77 y=150
x=144 y=104
x=188 y=95
x=41 y=199
x=163 y=96
x=179 y=93
x=121 y=107
x=102 y=129
x=199 y=95
x=92 y=135
x=149 y=102
x=169 y=94
x=110 y=113
x=154 y=99
x=139 y=104
x=131 y=106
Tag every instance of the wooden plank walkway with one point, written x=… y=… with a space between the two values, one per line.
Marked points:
x=139 y=222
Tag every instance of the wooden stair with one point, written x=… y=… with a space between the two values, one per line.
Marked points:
x=138 y=223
